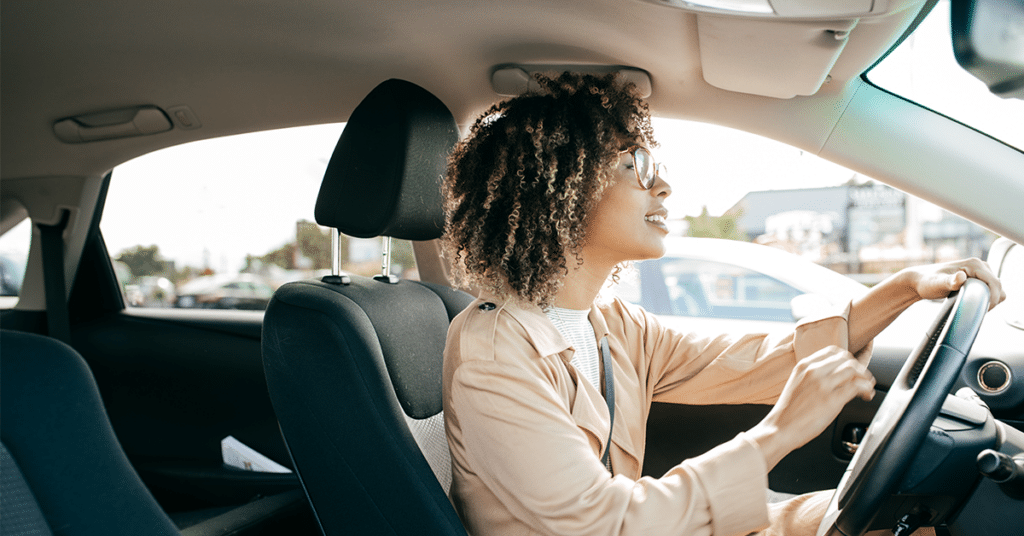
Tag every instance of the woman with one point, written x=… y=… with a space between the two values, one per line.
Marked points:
x=550 y=193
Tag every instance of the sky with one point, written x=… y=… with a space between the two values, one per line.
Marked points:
x=185 y=198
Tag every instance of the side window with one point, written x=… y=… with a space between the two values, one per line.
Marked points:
x=14 y=245
x=221 y=223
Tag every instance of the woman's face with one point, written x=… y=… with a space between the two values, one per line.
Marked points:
x=628 y=223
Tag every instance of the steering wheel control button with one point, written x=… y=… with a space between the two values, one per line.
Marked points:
x=994 y=377
x=487 y=306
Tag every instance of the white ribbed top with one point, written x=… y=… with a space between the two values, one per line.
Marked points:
x=577 y=331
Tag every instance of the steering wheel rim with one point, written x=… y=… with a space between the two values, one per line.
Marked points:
x=899 y=427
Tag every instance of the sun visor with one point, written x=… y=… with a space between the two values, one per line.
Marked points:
x=779 y=59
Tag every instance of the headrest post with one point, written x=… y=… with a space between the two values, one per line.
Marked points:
x=385 y=254
x=336 y=278
x=385 y=267
x=335 y=252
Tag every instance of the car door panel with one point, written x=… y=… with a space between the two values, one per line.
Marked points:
x=175 y=383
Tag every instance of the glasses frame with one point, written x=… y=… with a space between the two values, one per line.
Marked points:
x=654 y=168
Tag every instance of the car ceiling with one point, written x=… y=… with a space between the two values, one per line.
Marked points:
x=255 y=65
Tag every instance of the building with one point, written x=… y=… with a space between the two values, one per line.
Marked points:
x=859 y=228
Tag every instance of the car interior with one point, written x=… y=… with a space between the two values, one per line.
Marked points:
x=114 y=417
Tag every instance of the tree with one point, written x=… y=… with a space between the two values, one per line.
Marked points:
x=143 y=261
x=283 y=256
x=726 y=226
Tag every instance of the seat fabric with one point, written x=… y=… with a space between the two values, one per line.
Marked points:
x=19 y=510
x=354 y=370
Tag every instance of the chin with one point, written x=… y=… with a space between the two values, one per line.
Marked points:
x=654 y=251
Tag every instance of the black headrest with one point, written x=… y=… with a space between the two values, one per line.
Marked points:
x=384 y=178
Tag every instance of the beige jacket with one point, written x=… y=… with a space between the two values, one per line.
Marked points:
x=527 y=436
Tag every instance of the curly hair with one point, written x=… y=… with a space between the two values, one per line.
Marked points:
x=519 y=187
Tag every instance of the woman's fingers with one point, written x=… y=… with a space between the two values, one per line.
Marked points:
x=820 y=386
x=936 y=281
x=817 y=390
x=980 y=269
x=957 y=280
x=861 y=383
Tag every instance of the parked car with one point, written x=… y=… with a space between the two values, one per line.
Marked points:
x=713 y=285
x=156 y=291
x=88 y=87
x=227 y=291
x=728 y=279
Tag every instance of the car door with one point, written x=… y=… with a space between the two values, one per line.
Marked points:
x=175 y=383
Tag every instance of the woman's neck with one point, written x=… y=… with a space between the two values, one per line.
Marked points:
x=582 y=285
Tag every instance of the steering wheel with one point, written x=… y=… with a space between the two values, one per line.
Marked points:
x=904 y=418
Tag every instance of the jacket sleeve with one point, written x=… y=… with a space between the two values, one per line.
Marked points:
x=518 y=437
x=750 y=368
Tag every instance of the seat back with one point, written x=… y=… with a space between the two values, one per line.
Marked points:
x=62 y=467
x=354 y=368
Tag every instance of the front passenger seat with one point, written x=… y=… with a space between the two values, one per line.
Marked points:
x=353 y=364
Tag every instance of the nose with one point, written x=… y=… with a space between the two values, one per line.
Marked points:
x=661 y=187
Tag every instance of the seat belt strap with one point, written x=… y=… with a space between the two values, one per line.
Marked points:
x=609 y=396
x=52 y=242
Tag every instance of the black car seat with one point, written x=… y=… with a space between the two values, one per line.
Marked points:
x=62 y=469
x=353 y=364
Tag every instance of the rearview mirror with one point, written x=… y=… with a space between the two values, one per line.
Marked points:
x=988 y=41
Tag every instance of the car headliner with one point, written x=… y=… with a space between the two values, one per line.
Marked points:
x=248 y=66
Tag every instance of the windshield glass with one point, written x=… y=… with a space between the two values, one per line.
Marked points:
x=923 y=69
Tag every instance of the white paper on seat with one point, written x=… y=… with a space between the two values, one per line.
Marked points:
x=241 y=456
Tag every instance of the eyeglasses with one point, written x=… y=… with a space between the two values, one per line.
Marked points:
x=647 y=171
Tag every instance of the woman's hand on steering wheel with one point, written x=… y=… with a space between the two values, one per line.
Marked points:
x=936 y=281
x=817 y=390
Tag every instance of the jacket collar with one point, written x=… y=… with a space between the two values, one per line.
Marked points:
x=543 y=335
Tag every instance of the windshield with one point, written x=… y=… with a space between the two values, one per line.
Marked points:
x=923 y=69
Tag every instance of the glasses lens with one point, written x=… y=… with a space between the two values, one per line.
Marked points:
x=644 y=165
